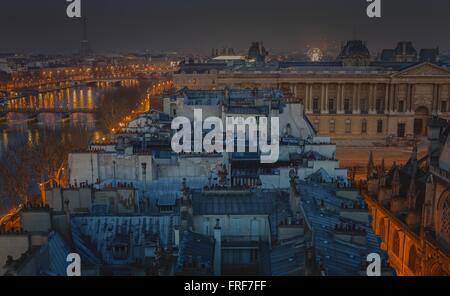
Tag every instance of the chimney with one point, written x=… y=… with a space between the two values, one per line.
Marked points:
x=217 y=249
x=131 y=246
x=177 y=236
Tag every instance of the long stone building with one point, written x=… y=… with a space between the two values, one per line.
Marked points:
x=352 y=97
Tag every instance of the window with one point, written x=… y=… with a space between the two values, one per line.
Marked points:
x=401 y=105
x=380 y=126
x=317 y=125
x=443 y=106
x=347 y=108
x=412 y=262
x=396 y=244
x=401 y=130
x=379 y=105
x=316 y=105
x=348 y=126
x=332 y=126
x=331 y=107
x=364 y=126
x=364 y=106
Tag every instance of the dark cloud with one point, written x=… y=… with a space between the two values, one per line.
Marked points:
x=126 y=25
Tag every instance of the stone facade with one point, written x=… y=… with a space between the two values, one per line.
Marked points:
x=348 y=102
x=410 y=209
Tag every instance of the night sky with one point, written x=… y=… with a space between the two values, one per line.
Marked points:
x=41 y=26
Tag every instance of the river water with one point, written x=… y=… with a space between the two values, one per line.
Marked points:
x=17 y=128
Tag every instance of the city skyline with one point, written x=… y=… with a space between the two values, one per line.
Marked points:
x=174 y=25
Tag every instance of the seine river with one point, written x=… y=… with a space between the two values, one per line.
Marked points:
x=17 y=129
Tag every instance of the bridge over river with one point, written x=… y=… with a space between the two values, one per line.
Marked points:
x=33 y=112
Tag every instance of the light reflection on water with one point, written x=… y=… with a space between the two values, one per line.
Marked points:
x=17 y=128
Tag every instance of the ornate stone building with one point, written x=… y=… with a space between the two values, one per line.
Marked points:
x=352 y=97
x=410 y=207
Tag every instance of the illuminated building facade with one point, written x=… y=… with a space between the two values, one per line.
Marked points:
x=350 y=98
x=410 y=207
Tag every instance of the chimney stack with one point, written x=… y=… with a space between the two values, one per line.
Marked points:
x=177 y=237
x=217 y=249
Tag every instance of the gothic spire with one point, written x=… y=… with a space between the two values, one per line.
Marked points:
x=395 y=181
x=370 y=167
x=412 y=187
x=382 y=174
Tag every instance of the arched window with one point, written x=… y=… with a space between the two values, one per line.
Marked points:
x=396 y=243
x=412 y=259
x=381 y=229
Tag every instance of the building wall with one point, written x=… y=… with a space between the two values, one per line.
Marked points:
x=91 y=167
x=409 y=253
x=393 y=97
x=12 y=245
x=190 y=167
x=248 y=227
x=36 y=221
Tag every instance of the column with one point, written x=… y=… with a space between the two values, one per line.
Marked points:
x=372 y=98
x=325 y=107
x=358 y=99
x=338 y=98
x=322 y=98
x=354 y=98
x=386 y=99
x=309 y=97
x=342 y=98
x=306 y=102
x=433 y=101
x=448 y=98
x=408 y=98
x=392 y=98
x=411 y=98
x=438 y=98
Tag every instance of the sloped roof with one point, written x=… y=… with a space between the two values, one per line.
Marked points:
x=198 y=247
x=93 y=236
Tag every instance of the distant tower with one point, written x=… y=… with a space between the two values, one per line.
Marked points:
x=85 y=49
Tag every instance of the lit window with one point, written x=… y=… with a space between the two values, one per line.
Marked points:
x=379 y=126
x=332 y=126
x=348 y=126
x=316 y=105
x=364 y=126
x=331 y=107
